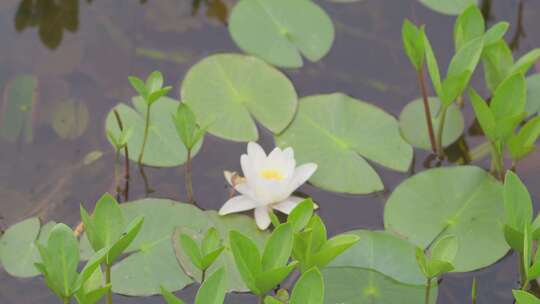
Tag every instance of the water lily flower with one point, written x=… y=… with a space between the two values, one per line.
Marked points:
x=268 y=183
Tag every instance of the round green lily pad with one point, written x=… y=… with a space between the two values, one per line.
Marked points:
x=448 y=7
x=413 y=125
x=228 y=91
x=462 y=201
x=164 y=147
x=533 y=94
x=353 y=285
x=273 y=30
x=385 y=253
x=339 y=134
x=152 y=262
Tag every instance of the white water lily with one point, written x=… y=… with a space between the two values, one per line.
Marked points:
x=268 y=183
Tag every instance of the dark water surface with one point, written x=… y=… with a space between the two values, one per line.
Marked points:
x=84 y=51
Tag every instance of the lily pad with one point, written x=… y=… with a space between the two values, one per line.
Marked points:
x=353 y=285
x=339 y=133
x=152 y=262
x=226 y=91
x=223 y=224
x=273 y=31
x=381 y=251
x=533 y=94
x=453 y=7
x=17 y=110
x=463 y=201
x=164 y=147
x=412 y=122
x=18 y=250
x=70 y=119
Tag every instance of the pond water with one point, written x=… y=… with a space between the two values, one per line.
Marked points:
x=82 y=52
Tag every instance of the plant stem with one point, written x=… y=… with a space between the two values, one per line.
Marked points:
x=203 y=276
x=498 y=160
x=440 y=131
x=108 y=282
x=261 y=299
x=187 y=177
x=428 y=291
x=66 y=301
x=126 y=156
x=117 y=173
x=145 y=137
x=427 y=111
x=523 y=276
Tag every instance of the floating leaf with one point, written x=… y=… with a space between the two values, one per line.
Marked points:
x=227 y=91
x=463 y=201
x=353 y=285
x=273 y=31
x=164 y=148
x=453 y=7
x=18 y=250
x=533 y=94
x=337 y=133
x=16 y=119
x=375 y=249
x=152 y=263
x=412 y=122
x=70 y=119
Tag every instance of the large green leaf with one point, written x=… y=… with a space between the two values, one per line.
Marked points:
x=339 y=133
x=463 y=201
x=379 y=251
x=153 y=263
x=273 y=31
x=17 y=110
x=413 y=125
x=18 y=250
x=223 y=225
x=353 y=285
x=533 y=94
x=164 y=147
x=448 y=7
x=226 y=91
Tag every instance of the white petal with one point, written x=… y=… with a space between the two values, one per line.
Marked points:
x=255 y=151
x=237 y=204
x=288 y=205
x=288 y=153
x=243 y=188
x=275 y=156
x=262 y=218
x=247 y=167
x=301 y=175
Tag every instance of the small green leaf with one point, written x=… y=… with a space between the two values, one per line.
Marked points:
x=509 y=97
x=191 y=248
x=169 y=297
x=212 y=290
x=211 y=257
x=106 y=224
x=155 y=96
x=139 y=86
x=309 y=289
x=211 y=241
x=89 y=269
x=301 y=214
x=445 y=249
x=278 y=247
x=483 y=114
x=332 y=248
x=186 y=124
x=523 y=297
x=497 y=60
x=125 y=240
x=247 y=258
x=319 y=232
x=453 y=86
x=495 y=33
x=466 y=58
x=268 y=280
x=433 y=67
x=469 y=25
x=517 y=202
x=271 y=300
x=438 y=267
x=523 y=143
x=154 y=81
x=526 y=62
x=413 y=43
x=527 y=250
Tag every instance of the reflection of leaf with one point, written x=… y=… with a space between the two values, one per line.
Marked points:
x=70 y=119
x=448 y=7
x=17 y=109
x=463 y=201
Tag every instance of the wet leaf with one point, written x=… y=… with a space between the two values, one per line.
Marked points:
x=339 y=133
x=271 y=30
x=19 y=99
x=463 y=201
x=225 y=95
x=412 y=122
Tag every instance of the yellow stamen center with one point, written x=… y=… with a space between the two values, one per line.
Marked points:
x=272 y=175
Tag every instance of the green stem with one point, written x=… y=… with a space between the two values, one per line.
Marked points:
x=117 y=173
x=108 y=282
x=145 y=138
x=203 y=276
x=498 y=160
x=187 y=177
x=427 y=111
x=440 y=131
x=66 y=301
x=523 y=276
x=261 y=299
x=428 y=291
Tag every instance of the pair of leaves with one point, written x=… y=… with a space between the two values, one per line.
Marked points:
x=263 y=273
x=440 y=259
x=470 y=25
x=186 y=126
x=106 y=228
x=151 y=90
x=60 y=258
x=309 y=289
x=212 y=290
x=205 y=255
x=413 y=43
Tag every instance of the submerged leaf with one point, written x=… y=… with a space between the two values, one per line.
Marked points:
x=18 y=108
